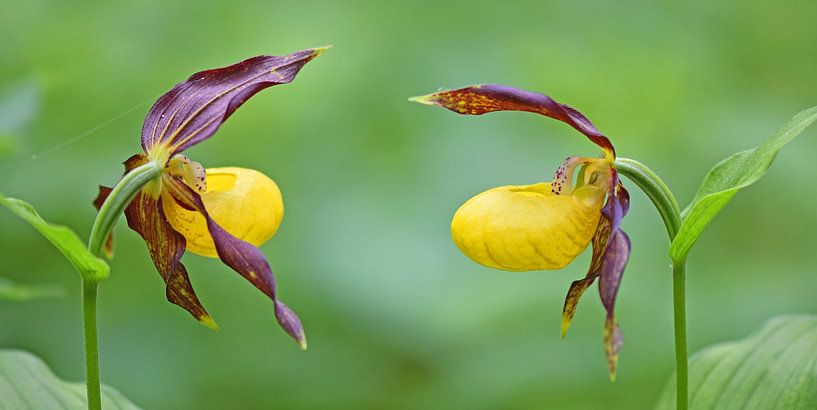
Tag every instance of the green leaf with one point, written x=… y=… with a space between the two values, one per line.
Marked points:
x=20 y=293
x=27 y=383
x=63 y=238
x=730 y=176
x=774 y=368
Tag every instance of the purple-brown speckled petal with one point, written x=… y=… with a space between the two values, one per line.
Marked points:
x=574 y=295
x=607 y=248
x=146 y=216
x=577 y=288
x=194 y=109
x=481 y=99
x=241 y=256
x=610 y=274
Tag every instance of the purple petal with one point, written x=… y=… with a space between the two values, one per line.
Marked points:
x=241 y=256
x=146 y=216
x=290 y=322
x=194 y=109
x=611 y=265
x=481 y=99
x=607 y=246
x=618 y=204
x=612 y=268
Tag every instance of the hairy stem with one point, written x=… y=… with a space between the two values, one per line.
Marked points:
x=667 y=207
x=119 y=198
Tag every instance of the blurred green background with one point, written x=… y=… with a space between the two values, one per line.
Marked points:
x=396 y=316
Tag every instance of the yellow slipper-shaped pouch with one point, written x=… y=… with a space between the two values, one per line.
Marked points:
x=245 y=202
x=527 y=227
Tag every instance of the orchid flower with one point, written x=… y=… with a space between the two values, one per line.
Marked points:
x=222 y=212
x=546 y=225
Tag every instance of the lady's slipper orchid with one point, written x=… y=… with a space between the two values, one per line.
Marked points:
x=546 y=225
x=221 y=212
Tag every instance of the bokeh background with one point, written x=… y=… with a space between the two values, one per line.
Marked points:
x=396 y=316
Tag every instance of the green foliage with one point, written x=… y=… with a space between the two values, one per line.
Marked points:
x=774 y=368
x=27 y=383
x=8 y=144
x=63 y=238
x=730 y=176
x=18 y=105
x=21 y=293
x=359 y=167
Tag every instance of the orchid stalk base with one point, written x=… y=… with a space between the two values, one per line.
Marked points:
x=89 y=297
x=667 y=207
x=109 y=213
x=679 y=313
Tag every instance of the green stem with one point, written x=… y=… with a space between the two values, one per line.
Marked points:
x=89 y=292
x=679 y=310
x=667 y=206
x=119 y=198
x=656 y=190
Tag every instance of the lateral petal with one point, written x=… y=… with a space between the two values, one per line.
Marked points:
x=146 y=216
x=618 y=203
x=241 y=256
x=574 y=294
x=610 y=274
x=166 y=246
x=578 y=287
x=194 y=109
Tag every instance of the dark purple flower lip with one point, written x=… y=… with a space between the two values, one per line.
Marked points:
x=611 y=246
x=186 y=115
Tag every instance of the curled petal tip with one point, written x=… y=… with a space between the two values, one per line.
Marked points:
x=612 y=363
x=574 y=294
x=208 y=321
x=612 y=345
x=320 y=50
x=290 y=323
x=565 y=327
x=423 y=99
